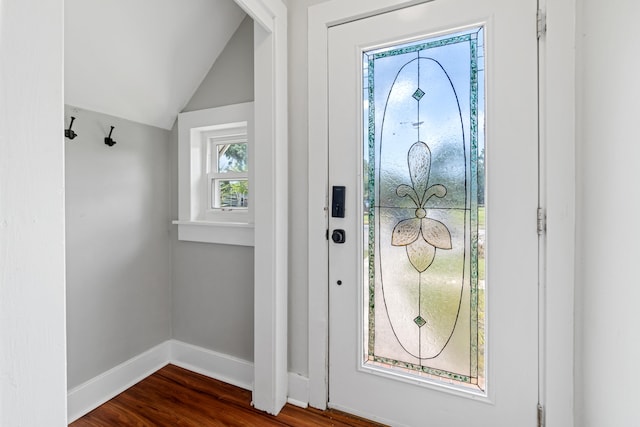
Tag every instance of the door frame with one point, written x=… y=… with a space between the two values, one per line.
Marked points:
x=270 y=373
x=557 y=197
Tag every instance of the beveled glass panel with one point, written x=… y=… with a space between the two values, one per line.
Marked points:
x=232 y=193
x=424 y=208
x=231 y=157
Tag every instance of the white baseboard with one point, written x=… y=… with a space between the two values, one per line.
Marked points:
x=93 y=393
x=298 y=390
x=220 y=366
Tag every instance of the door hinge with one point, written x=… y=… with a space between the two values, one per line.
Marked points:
x=542 y=221
x=540 y=415
x=542 y=23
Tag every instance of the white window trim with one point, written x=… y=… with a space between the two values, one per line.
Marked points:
x=197 y=222
x=224 y=233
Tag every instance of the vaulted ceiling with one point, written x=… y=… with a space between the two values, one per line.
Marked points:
x=142 y=60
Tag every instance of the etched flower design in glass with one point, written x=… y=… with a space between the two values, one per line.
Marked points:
x=421 y=236
x=424 y=200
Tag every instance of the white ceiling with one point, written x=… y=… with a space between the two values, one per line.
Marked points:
x=142 y=60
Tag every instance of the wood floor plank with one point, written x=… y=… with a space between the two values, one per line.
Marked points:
x=177 y=397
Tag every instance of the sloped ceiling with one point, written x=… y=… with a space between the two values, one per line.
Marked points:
x=142 y=60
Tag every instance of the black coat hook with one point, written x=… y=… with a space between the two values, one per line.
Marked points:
x=107 y=140
x=68 y=132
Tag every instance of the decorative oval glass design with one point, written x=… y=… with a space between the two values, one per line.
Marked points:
x=424 y=207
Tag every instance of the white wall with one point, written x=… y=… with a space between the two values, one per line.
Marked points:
x=607 y=286
x=32 y=289
x=213 y=297
x=230 y=79
x=118 y=245
x=213 y=284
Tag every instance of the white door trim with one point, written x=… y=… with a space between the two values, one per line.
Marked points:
x=557 y=81
x=557 y=189
x=271 y=237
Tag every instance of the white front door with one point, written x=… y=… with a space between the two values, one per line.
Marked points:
x=433 y=128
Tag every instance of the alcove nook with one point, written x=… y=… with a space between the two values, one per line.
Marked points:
x=138 y=296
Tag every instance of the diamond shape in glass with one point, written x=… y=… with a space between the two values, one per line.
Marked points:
x=418 y=94
x=420 y=321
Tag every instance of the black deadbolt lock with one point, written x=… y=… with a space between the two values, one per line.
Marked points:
x=337 y=207
x=338 y=236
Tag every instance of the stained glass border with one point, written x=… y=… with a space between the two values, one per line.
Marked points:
x=370 y=58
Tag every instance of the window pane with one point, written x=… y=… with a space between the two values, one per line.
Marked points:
x=232 y=193
x=424 y=208
x=232 y=157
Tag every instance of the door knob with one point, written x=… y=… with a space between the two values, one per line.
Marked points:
x=338 y=236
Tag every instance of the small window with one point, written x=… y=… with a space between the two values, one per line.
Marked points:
x=215 y=173
x=228 y=171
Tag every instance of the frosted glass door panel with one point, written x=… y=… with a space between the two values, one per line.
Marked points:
x=424 y=208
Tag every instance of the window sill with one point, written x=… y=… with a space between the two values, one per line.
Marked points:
x=224 y=233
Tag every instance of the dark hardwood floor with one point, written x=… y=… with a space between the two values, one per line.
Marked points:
x=176 y=397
